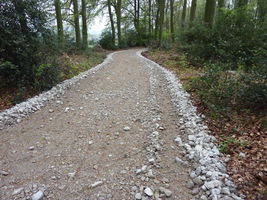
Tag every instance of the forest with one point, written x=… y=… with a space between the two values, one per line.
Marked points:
x=218 y=49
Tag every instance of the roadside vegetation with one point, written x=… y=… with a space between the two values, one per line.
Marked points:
x=33 y=57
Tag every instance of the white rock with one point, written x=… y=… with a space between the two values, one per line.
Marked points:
x=138 y=196
x=148 y=192
x=178 y=140
x=66 y=109
x=97 y=183
x=4 y=173
x=242 y=155
x=17 y=191
x=144 y=168
x=167 y=192
x=178 y=160
x=126 y=128
x=191 y=137
x=38 y=195
x=31 y=148
x=71 y=174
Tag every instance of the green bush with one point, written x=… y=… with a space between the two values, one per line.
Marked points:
x=9 y=73
x=106 y=41
x=236 y=38
x=222 y=90
x=46 y=76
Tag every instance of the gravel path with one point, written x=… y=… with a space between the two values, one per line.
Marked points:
x=118 y=133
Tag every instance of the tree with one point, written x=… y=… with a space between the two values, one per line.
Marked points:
x=84 y=25
x=111 y=22
x=261 y=10
x=172 y=16
x=117 y=7
x=193 y=11
x=77 y=23
x=60 y=31
x=241 y=3
x=149 y=17
x=209 y=12
x=161 y=19
x=221 y=4
x=184 y=13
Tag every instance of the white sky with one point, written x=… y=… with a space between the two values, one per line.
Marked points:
x=97 y=26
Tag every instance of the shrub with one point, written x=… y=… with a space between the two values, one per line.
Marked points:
x=236 y=38
x=9 y=73
x=46 y=76
x=106 y=41
x=222 y=90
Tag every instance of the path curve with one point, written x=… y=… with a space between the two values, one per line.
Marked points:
x=110 y=136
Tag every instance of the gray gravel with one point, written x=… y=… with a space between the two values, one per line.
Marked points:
x=128 y=131
x=199 y=145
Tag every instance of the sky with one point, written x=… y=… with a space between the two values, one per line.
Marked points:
x=97 y=26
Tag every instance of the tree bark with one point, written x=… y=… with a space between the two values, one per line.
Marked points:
x=149 y=18
x=172 y=22
x=157 y=24
x=262 y=10
x=84 y=26
x=77 y=23
x=241 y=3
x=184 y=13
x=209 y=12
x=60 y=30
x=137 y=18
x=193 y=11
x=161 y=19
x=118 y=15
x=111 y=22
x=221 y=4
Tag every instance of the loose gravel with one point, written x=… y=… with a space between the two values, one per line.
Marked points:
x=209 y=175
x=122 y=130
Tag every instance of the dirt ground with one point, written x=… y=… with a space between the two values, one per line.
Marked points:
x=96 y=141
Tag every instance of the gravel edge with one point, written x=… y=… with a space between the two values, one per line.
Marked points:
x=209 y=178
x=15 y=114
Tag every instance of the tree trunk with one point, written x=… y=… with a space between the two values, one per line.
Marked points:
x=221 y=4
x=118 y=15
x=60 y=31
x=209 y=12
x=111 y=22
x=157 y=24
x=184 y=13
x=84 y=27
x=149 y=18
x=172 y=16
x=77 y=23
x=193 y=11
x=241 y=3
x=161 y=19
x=137 y=18
x=262 y=10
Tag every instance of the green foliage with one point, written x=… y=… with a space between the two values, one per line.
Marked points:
x=237 y=38
x=223 y=90
x=237 y=42
x=8 y=73
x=25 y=40
x=46 y=76
x=106 y=41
